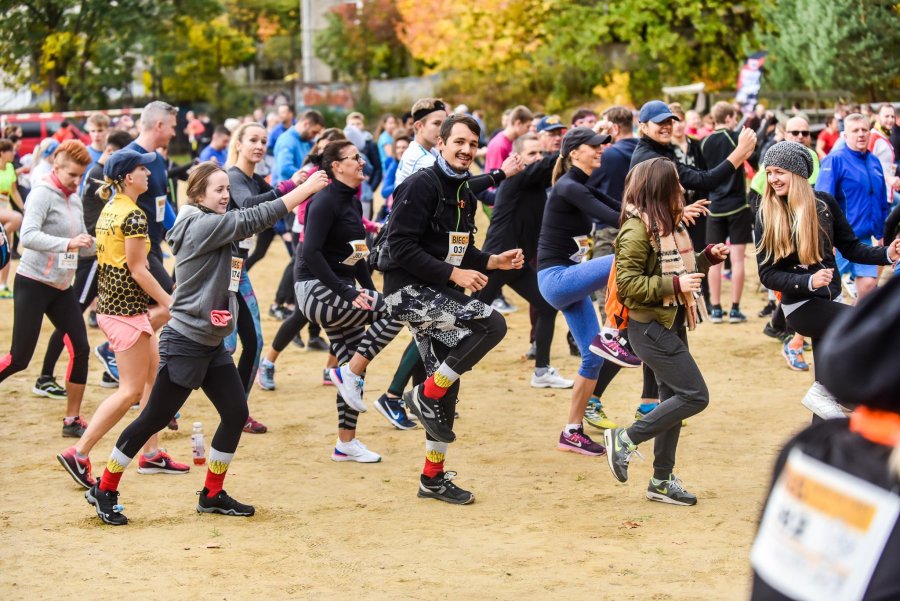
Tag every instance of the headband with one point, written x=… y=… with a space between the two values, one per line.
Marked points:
x=419 y=114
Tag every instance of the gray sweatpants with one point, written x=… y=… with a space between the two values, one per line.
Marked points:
x=681 y=388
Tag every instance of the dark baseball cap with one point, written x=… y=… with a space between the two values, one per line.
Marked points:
x=577 y=136
x=656 y=111
x=122 y=162
x=550 y=123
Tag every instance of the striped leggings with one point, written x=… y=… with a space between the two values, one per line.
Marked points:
x=345 y=326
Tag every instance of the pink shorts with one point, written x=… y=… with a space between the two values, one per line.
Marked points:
x=123 y=331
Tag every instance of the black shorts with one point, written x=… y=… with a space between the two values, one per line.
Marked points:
x=737 y=227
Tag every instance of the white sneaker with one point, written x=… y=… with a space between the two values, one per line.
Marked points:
x=551 y=379
x=354 y=451
x=822 y=403
x=349 y=386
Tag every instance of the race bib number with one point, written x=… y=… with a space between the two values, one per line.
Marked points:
x=358 y=250
x=246 y=243
x=237 y=265
x=160 y=208
x=584 y=245
x=68 y=260
x=457 y=242
x=822 y=532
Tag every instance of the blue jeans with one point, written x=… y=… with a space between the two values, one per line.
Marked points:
x=568 y=289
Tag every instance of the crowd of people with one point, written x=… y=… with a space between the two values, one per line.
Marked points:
x=625 y=221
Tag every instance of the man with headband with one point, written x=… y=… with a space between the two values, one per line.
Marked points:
x=428 y=116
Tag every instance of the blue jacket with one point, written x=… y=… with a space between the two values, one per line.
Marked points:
x=290 y=150
x=856 y=180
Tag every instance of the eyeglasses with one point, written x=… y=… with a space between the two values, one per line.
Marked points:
x=356 y=157
x=798 y=134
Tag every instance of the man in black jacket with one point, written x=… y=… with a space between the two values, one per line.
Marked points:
x=431 y=242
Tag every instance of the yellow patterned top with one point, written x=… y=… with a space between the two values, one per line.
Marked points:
x=117 y=292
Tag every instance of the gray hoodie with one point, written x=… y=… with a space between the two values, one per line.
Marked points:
x=51 y=220
x=203 y=247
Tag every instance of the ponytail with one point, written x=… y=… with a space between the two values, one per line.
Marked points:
x=560 y=168
x=108 y=187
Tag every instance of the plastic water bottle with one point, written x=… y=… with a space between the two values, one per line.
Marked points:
x=198 y=445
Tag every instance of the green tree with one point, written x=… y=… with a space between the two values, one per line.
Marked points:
x=854 y=45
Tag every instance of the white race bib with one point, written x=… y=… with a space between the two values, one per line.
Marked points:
x=246 y=243
x=237 y=265
x=160 y=208
x=358 y=250
x=823 y=531
x=68 y=260
x=457 y=242
x=584 y=245
x=297 y=228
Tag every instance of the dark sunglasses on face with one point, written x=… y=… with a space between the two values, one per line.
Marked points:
x=354 y=157
x=797 y=134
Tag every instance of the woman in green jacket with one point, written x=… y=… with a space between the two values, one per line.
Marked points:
x=658 y=276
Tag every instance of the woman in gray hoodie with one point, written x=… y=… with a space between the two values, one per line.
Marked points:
x=53 y=234
x=191 y=349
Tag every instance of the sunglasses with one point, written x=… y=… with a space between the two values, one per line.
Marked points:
x=356 y=157
x=797 y=134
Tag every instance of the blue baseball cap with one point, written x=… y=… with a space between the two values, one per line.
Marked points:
x=122 y=162
x=550 y=123
x=656 y=111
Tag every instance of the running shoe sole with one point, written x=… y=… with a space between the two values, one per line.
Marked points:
x=391 y=419
x=44 y=393
x=560 y=386
x=68 y=469
x=653 y=496
x=564 y=447
x=601 y=352
x=232 y=512
x=159 y=470
x=337 y=456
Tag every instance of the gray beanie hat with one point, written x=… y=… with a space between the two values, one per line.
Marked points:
x=790 y=156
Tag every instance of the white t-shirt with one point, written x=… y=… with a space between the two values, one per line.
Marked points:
x=415 y=157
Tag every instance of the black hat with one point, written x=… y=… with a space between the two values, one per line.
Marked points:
x=577 y=136
x=857 y=361
x=122 y=162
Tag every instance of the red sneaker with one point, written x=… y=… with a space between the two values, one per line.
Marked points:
x=161 y=463
x=254 y=427
x=79 y=469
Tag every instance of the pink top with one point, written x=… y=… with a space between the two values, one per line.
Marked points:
x=498 y=149
x=370 y=226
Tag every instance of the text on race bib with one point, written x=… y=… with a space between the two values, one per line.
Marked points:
x=583 y=244
x=68 y=260
x=160 y=208
x=237 y=265
x=358 y=250
x=457 y=243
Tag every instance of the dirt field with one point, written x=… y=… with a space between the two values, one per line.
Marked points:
x=545 y=524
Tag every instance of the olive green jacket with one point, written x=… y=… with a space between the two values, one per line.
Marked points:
x=639 y=277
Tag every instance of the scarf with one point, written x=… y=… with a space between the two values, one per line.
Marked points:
x=676 y=258
x=67 y=192
x=447 y=170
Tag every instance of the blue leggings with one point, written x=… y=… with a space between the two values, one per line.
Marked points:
x=568 y=289
x=249 y=328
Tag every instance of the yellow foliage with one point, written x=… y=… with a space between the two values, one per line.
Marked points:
x=616 y=91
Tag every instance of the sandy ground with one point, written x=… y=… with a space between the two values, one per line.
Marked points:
x=545 y=524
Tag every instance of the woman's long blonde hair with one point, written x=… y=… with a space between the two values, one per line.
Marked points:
x=236 y=139
x=790 y=226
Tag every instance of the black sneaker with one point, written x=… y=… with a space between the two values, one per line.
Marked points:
x=298 y=341
x=770 y=331
x=768 y=310
x=442 y=488
x=75 y=429
x=317 y=343
x=573 y=347
x=735 y=316
x=222 y=503
x=670 y=491
x=47 y=386
x=106 y=502
x=278 y=312
x=618 y=453
x=107 y=381
x=430 y=414
x=394 y=411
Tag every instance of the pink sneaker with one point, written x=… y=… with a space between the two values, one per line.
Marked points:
x=161 y=463
x=579 y=442
x=613 y=349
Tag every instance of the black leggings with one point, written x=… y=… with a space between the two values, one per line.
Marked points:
x=284 y=294
x=813 y=318
x=524 y=282
x=32 y=301
x=85 y=290
x=221 y=384
x=411 y=366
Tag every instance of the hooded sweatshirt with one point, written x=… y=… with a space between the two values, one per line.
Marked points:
x=51 y=220
x=206 y=256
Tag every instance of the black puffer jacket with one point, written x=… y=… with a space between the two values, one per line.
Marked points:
x=791 y=278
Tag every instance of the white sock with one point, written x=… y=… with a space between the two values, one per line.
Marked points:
x=572 y=427
x=609 y=333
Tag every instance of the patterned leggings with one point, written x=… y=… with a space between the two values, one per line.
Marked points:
x=249 y=329
x=345 y=326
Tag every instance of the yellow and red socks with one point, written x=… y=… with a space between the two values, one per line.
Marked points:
x=436 y=385
x=434 y=458
x=115 y=467
x=215 y=471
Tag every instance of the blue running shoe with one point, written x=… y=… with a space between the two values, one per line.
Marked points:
x=108 y=359
x=266 y=377
x=794 y=358
x=394 y=411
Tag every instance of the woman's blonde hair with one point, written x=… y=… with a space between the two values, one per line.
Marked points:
x=236 y=139
x=790 y=225
x=562 y=166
